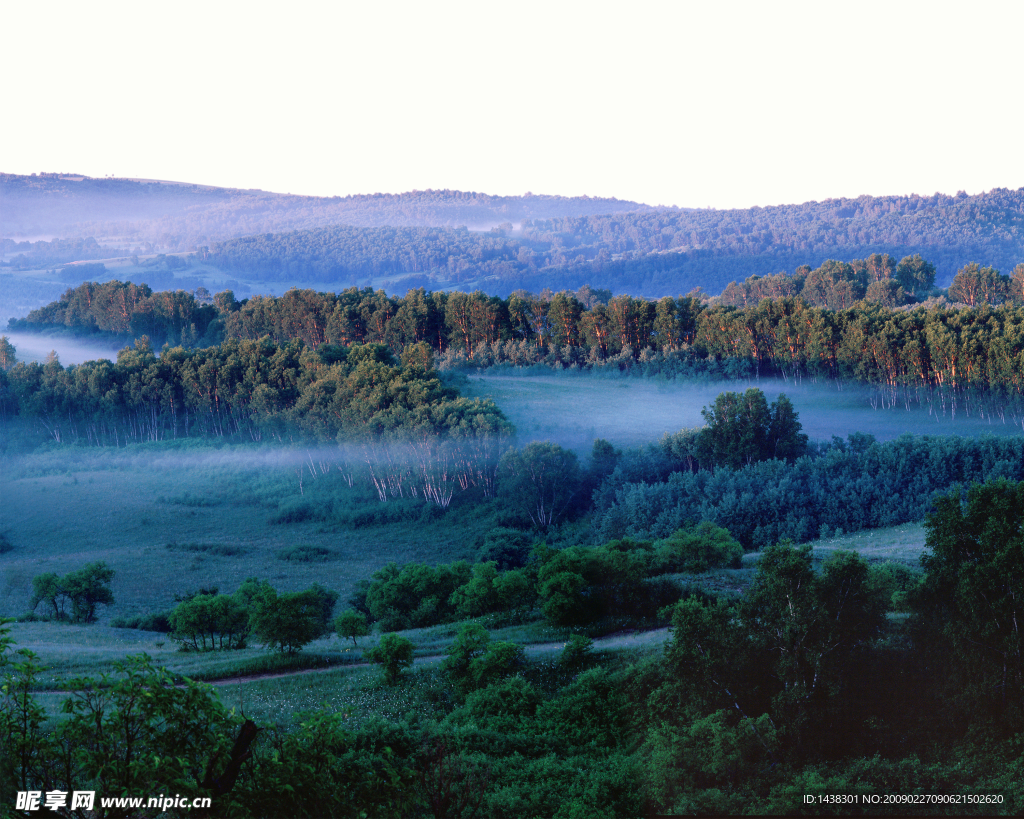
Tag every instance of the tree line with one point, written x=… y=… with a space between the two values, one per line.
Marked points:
x=941 y=354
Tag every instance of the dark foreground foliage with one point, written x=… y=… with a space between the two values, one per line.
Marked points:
x=807 y=685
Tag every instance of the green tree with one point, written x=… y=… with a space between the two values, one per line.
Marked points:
x=289 y=621
x=393 y=654
x=8 y=356
x=350 y=625
x=915 y=275
x=83 y=590
x=47 y=588
x=742 y=429
x=210 y=621
x=974 y=285
x=973 y=593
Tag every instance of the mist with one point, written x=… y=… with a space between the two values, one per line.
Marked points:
x=35 y=347
x=575 y=409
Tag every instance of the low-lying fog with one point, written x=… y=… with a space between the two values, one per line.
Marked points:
x=34 y=347
x=573 y=409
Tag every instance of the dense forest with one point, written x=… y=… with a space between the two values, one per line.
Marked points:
x=651 y=253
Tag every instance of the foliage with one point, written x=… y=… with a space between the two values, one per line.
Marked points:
x=539 y=482
x=350 y=625
x=508 y=548
x=393 y=654
x=742 y=429
x=971 y=592
x=139 y=731
x=290 y=620
x=705 y=546
x=576 y=654
x=474 y=660
x=845 y=486
x=414 y=595
x=210 y=621
x=803 y=628
x=83 y=590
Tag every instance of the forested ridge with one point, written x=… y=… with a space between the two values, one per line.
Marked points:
x=528 y=241
x=654 y=252
x=943 y=354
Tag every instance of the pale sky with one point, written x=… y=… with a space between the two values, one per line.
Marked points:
x=696 y=104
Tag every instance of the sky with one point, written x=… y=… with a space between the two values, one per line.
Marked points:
x=696 y=104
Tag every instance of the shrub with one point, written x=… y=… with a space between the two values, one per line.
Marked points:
x=157 y=621
x=295 y=511
x=576 y=653
x=209 y=548
x=474 y=661
x=306 y=554
x=508 y=548
x=705 y=546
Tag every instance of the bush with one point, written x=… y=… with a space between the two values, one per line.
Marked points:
x=706 y=546
x=157 y=621
x=295 y=511
x=508 y=548
x=306 y=554
x=576 y=653
x=474 y=661
x=414 y=595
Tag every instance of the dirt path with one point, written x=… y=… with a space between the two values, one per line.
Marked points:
x=612 y=641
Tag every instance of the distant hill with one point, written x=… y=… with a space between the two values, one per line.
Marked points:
x=466 y=240
x=648 y=253
x=176 y=216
